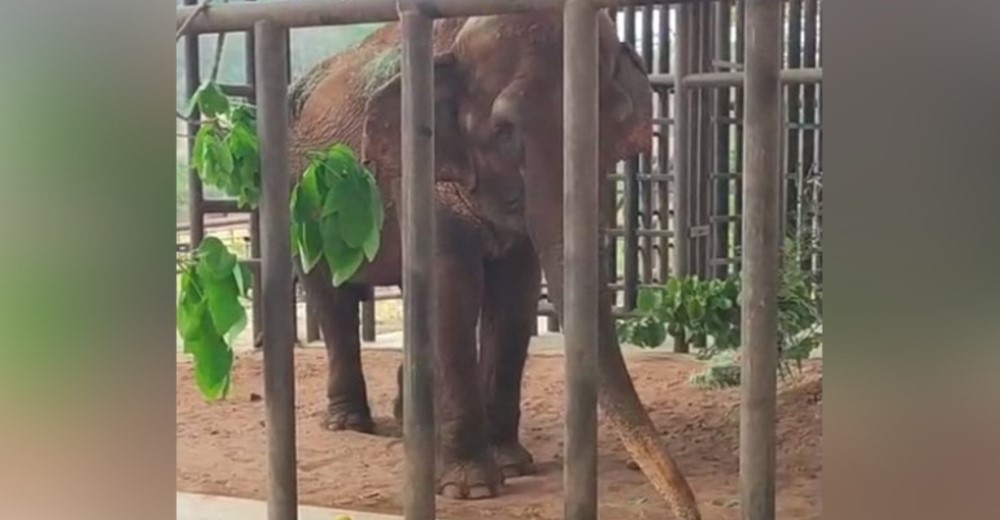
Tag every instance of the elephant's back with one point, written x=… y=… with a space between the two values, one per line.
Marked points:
x=327 y=104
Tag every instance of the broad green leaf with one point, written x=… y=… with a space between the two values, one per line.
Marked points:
x=336 y=198
x=355 y=216
x=372 y=244
x=211 y=101
x=311 y=246
x=213 y=362
x=648 y=300
x=243 y=277
x=306 y=197
x=343 y=260
x=215 y=262
x=224 y=305
x=237 y=328
x=192 y=321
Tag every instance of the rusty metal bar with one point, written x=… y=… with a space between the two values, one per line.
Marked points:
x=279 y=362
x=312 y=13
x=809 y=134
x=761 y=244
x=256 y=311
x=703 y=149
x=420 y=288
x=582 y=271
x=192 y=80
x=792 y=107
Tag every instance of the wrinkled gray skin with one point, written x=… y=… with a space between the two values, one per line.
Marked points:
x=499 y=165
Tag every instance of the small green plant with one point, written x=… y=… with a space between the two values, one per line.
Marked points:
x=337 y=214
x=708 y=312
x=210 y=312
x=686 y=307
x=226 y=152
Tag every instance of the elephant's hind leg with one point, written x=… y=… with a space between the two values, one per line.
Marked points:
x=337 y=312
x=509 y=308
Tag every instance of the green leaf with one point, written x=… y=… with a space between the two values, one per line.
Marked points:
x=355 y=216
x=215 y=262
x=191 y=320
x=224 y=306
x=211 y=101
x=343 y=260
x=372 y=243
x=311 y=245
x=648 y=300
x=213 y=365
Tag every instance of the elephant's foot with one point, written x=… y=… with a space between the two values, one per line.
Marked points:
x=339 y=418
x=469 y=480
x=514 y=460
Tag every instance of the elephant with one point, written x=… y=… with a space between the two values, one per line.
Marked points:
x=499 y=198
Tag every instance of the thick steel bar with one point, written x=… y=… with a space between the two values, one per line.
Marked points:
x=631 y=203
x=761 y=244
x=703 y=148
x=805 y=76
x=792 y=106
x=645 y=160
x=312 y=13
x=720 y=245
x=256 y=311
x=582 y=272
x=663 y=155
x=681 y=133
x=809 y=112
x=419 y=284
x=279 y=369
x=739 y=57
x=192 y=80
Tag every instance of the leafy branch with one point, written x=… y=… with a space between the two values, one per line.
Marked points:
x=210 y=312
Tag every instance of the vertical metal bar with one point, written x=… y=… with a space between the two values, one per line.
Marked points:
x=809 y=109
x=794 y=58
x=276 y=268
x=664 y=155
x=631 y=235
x=704 y=149
x=419 y=287
x=646 y=160
x=760 y=260
x=682 y=164
x=256 y=311
x=738 y=164
x=720 y=247
x=582 y=273
x=368 y=332
x=682 y=63
x=609 y=208
x=192 y=80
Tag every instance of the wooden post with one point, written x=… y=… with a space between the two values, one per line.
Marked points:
x=419 y=288
x=760 y=259
x=582 y=272
x=276 y=270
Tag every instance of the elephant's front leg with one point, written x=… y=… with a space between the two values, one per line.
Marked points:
x=512 y=288
x=466 y=468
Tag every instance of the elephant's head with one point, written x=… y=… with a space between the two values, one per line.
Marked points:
x=484 y=159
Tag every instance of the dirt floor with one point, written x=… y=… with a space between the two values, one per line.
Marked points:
x=221 y=446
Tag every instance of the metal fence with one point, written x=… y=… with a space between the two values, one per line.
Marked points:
x=680 y=204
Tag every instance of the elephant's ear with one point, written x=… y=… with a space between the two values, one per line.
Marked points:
x=630 y=103
x=382 y=142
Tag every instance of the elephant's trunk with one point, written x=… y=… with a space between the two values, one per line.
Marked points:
x=619 y=400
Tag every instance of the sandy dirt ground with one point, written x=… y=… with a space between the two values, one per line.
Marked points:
x=221 y=446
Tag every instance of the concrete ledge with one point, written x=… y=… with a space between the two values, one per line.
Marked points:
x=192 y=506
